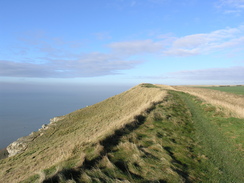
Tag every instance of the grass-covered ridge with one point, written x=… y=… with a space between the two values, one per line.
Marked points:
x=158 y=149
x=177 y=140
x=65 y=144
x=150 y=133
x=149 y=85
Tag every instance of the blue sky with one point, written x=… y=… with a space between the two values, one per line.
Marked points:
x=174 y=42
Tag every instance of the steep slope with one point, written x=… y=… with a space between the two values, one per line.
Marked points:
x=64 y=143
x=180 y=139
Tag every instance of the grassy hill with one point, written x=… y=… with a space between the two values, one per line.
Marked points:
x=150 y=133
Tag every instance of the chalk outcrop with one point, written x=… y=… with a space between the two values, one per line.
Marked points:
x=21 y=144
x=56 y=119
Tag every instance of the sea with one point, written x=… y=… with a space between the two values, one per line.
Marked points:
x=23 y=111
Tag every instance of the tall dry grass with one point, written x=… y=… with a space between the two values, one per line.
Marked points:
x=67 y=139
x=233 y=104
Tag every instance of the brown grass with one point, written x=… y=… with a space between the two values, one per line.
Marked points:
x=64 y=144
x=233 y=104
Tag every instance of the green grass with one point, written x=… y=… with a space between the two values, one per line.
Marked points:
x=172 y=142
x=158 y=150
x=179 y=139
x=193 y=149
x=231 y=89
x=149 y=85
x=225 y=160
x=33 y=178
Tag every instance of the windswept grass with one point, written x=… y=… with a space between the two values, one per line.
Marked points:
x=65 y=143
x=177 y=140
x=158 y=147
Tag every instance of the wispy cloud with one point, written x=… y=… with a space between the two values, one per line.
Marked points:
x=136 y=47
x=233 y=3
x=89 y=65
x=58 y=58
x=42 y=56
x=230 y=75
x=214 y=74
x=231 y=6
x=205 y=43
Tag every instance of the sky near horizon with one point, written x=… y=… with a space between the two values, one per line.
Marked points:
x=173 y=42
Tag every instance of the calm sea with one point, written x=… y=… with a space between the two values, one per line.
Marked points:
x=26 y=111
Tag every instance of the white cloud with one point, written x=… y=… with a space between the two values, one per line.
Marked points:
x=181 y=52
x=207 y=42
x=232 y=3
x=89 y=65
x=43 y=58
x=231 y=6
x=191 y=41
x=230 y=75
x=136 y=47
x=215 y=74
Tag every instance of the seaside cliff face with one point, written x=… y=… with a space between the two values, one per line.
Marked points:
x=21 y=144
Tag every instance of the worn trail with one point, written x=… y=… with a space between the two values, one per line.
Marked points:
x=226 y=163
x=156 y=147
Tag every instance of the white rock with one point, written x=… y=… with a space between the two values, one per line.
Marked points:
x=45 y=126
x=56 y=119
x=17 y=147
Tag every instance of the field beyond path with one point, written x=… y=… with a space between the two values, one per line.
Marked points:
x=233 y=104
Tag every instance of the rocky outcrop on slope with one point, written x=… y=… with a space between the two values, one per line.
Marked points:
x=21 y=144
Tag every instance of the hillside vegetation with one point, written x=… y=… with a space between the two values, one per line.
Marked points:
x=63 y=145
x=150 y=133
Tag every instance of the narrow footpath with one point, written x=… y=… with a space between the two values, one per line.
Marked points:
x=225 y=163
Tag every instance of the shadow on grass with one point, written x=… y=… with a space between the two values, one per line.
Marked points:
x=108 y=143
x=3 y=153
